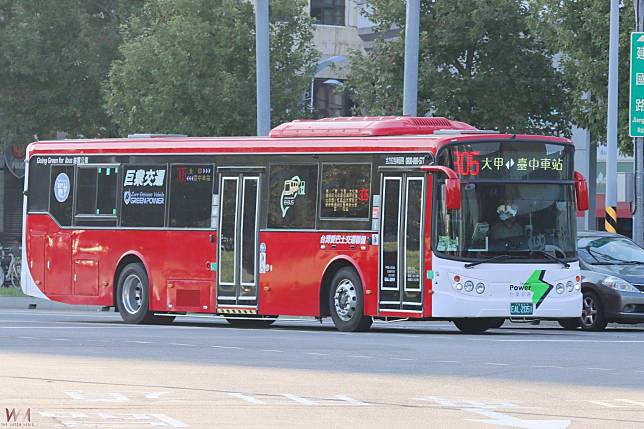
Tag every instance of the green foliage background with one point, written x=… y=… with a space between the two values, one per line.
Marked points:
x=53 y=56
x=188 y=66
x=109 y=67
x=479 y=63
x=579 y=30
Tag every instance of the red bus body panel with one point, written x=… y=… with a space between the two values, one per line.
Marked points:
x=77 y=266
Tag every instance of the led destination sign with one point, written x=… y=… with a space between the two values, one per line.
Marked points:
x=510 y=160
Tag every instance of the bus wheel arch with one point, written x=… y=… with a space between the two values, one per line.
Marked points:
x=330 y=271
x=134 y=269
x=125 y=260
x=344 y=298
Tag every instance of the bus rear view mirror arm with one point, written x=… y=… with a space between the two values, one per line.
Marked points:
x=452 y=185
x=581 y=189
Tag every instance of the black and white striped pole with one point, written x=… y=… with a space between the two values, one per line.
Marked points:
x=610 y=221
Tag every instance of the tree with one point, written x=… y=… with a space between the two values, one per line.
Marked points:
x=579 y=30
x=479 y=63
x=188 y=66
x=53 y=59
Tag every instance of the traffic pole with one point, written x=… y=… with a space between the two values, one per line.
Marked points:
x=610 y=221
x=410 y=85
x=262 y=64
x=638 y=151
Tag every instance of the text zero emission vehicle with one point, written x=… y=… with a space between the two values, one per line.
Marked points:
x=354 y=218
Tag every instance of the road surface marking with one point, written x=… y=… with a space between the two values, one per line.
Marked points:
x=497 y=364
x=632 y=402
x=361 y=357
x=272 y=351
x=298 y=399
x=403 y=359
x=497 y=418
x=182 y=345
x=78 y=395
x=547 y=366
x=169 y=420
x=317 y=354
x=247 y=398
x=226 y=347
x=536 y=340
x=350 y=400
x=449 y=361
x=139 y=342
x=606 y=404
x=600 y=369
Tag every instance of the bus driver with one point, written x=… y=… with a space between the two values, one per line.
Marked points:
x=506 y=233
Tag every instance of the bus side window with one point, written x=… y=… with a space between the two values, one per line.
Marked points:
x=38 y=187
x=292 y=196
x=96 y=196
x=191 y=190
x=61 y=194
x=143 y=195
x=346 y=191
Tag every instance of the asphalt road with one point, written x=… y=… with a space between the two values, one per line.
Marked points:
x=87 y=369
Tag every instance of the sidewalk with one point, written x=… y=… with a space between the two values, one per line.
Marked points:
x=24 y=303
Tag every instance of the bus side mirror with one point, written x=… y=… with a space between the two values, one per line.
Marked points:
x=452 y=185
x=581 y=189
x=452 y=194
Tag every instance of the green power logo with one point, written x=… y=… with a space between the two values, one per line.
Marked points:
x=540 y=289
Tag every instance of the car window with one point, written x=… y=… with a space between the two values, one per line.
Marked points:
x=605 y=249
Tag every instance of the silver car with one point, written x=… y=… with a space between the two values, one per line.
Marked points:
x=612 y=281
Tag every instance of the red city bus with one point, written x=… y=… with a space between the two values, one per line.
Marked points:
x=355 y=218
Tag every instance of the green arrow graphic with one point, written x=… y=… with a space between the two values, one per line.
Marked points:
x=539 y=288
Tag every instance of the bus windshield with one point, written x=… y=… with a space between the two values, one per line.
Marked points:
x=508 y=211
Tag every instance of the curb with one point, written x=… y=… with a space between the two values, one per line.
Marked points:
x=31 y=303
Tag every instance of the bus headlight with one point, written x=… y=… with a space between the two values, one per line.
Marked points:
x=480 y=288
x=570 y=286
x=458 y=286
x=469 y=286
x=560 y=288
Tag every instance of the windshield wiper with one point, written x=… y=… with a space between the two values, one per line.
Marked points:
x=485 y=261
x=551 y=257
x=629 y=263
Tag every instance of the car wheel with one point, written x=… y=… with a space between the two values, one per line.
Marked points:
x=133 y=295
x=592 y=313
x=473 y=326
x=570 y=323
x=346 y=302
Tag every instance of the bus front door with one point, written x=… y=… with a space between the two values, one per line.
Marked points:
x=402 y=247
x=238 y=230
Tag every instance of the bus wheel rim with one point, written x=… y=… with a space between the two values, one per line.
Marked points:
x=589 y=311
x=132 y=294
x=345 y=300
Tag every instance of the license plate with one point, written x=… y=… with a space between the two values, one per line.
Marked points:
x=521 y=309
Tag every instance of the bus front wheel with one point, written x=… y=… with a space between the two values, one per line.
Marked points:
x=474 y=325
x=346 y=302
x=133 y=296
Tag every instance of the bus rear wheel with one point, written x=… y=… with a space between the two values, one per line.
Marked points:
x=133 y=297
x=346 y=302
x=474 y=325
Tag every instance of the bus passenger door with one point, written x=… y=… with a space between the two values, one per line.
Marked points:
x=238 y=233
x=401 y=246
